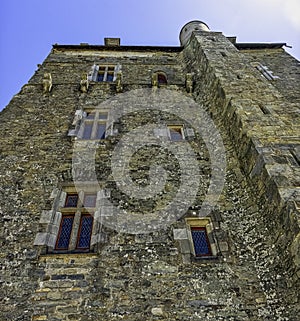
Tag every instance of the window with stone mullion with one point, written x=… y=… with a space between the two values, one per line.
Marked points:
x=95 y=125
x=76 y=224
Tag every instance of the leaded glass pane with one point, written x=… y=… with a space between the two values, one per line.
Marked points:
x=85 y=232
x=65 y=233
x=71 y=200
x=200 y=241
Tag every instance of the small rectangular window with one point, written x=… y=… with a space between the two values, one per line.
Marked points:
x=106 y=73
x=268 y=74
x=102 y=115
x=64 y=233
x=176 y=133
x=85 y=231
x=200 y=241
x=71 y=200
x=94 y=125
x=89 y=200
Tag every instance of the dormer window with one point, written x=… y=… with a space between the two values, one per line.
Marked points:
x=104 y=73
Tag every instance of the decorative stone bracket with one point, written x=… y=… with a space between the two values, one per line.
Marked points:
x=47 y=82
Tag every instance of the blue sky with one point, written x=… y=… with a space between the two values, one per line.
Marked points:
x=28 y=28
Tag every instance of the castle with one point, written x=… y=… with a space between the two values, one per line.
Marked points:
x=153 y=183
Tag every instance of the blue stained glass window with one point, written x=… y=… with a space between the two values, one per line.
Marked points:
x=201 y=243
x=65 y=232
x=85 y=231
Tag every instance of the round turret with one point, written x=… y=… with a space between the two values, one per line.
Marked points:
x=188 y=28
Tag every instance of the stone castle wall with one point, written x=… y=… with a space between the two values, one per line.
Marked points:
x=254 y=274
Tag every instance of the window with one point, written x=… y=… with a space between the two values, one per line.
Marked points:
x=159 y=79
x=71 y=200
x=75 y=229
x=94 y=126
x=200 y=241
x=162 y=79
x=104 y=73
x=64 y=234
x=176 y=132
x=268 y=74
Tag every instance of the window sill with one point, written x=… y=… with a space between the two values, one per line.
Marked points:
x=205 y=258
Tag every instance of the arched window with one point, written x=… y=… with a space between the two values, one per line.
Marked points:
x=162 y=78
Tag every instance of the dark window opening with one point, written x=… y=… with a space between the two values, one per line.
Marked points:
x=201 y=242
x=162 y=79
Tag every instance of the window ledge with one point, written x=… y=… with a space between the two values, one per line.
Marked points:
x=205 y=258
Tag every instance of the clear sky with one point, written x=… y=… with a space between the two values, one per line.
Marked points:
x=28 y=28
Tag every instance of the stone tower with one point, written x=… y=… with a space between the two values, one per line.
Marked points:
x=153 y=183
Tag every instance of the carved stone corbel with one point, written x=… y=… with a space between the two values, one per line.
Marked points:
x=119 y=85
x=47 y=82
x=189 y=82
x=79 y=114
x=155 y=80
x=84 y=83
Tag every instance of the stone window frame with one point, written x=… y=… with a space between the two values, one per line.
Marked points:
x=94 y=119
x=163 y=131
x=108 y=73
x=50 y=220
x=78 y=211
x=176 y=128
x=207 y=225
x=162 y=78
x=264 y=70
x=79 y=123
x=184 y=237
